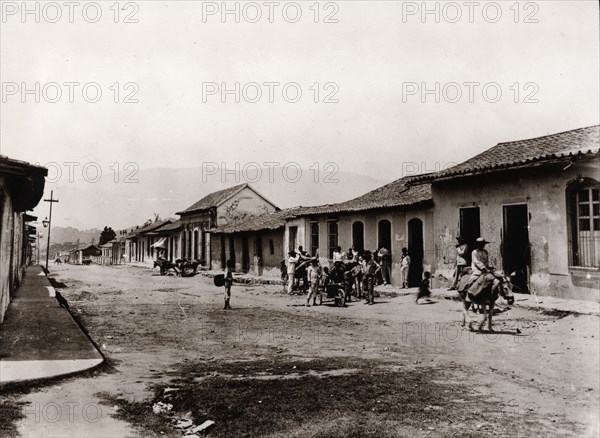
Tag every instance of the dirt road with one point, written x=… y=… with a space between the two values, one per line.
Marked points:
x=272 y=367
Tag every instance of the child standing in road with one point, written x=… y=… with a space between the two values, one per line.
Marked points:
x=228 y=283
x=314 y=275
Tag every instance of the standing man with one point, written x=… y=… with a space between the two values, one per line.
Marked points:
x=228 y=283
x=293 y=260
x=314 y=276
x=404 y=267
x=384 y=260
x=462 y=253
x=372 y=269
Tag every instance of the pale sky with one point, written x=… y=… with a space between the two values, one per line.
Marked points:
x=370 y=56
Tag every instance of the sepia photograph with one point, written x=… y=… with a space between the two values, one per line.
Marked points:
x=299 y=219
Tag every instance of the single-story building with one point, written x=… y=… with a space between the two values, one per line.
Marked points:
x=254 y=245
x=138 y=243
x=85 y=252
x=21 y=188
x=214 y=210
x=394 y=216
x=537 y=202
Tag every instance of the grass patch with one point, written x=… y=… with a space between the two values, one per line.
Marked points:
x=374 y=400
x=11 y=411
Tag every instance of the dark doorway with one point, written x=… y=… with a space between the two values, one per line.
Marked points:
x=515 y=245
x=223 y=254
x=384 y=234
x=358 y=236
x=293 y=233
x=196 y=243
x=415 y=250
x=232 y=251
x=245 y=254
x=470 y=225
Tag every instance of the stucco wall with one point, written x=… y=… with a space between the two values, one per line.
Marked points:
x=245 y=203
x=544 y=192
x=399 y=232
x=12 y=262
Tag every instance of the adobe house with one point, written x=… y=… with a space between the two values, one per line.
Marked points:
x=214 y=210
x=138 y=243
x=255 y=244
x=394 y=216
x=537 y=202
x=21 y=189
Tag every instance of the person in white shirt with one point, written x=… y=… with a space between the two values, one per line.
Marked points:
x=293 y=260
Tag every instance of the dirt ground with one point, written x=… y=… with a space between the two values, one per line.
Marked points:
x=272 y=367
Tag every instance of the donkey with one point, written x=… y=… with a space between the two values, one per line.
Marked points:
x=495 y=285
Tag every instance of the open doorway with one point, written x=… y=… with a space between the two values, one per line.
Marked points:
x=358 y=236
x=245 y=254
x=515 y=245
x=415 y=250
x=293 y=235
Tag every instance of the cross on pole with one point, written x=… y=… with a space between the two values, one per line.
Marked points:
x=51 y=201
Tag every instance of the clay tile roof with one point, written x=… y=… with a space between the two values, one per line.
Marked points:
x=213 y=199
x=171 y=227
x=394 y=194
x=150 y=227
x=266 y=221
x=575 y=143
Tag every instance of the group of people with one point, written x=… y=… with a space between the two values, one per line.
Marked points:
x=368 y=268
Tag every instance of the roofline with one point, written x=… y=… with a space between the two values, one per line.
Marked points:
x=241 y=187
x=426 y=202
x=547 y=160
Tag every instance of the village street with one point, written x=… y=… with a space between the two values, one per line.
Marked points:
x=272 y=367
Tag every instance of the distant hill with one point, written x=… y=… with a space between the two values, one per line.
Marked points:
x=72 y=235
x=166 y=191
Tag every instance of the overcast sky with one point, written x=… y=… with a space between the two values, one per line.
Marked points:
x=376 y=58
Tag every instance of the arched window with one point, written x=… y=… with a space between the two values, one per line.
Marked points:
x=583 y=197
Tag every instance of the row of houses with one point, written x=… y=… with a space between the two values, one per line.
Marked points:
x=21 y=189
x=536 y=201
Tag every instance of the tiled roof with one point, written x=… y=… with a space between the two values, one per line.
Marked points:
x=150 y=227
x=171 y=227
x=266 y=221
x=213 y=199
x=514 y=154
x=394 y=194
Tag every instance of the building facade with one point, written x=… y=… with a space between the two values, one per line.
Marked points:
x=21 y=188
x=214 y=210
x=537 y=202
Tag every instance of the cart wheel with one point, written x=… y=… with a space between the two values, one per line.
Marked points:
x=341 y=298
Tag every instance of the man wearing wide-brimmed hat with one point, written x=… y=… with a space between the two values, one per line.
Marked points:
x=462 y=253
x=482 y=272
x=293 y=260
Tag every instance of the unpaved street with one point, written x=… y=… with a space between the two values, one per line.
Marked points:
x=272 y=367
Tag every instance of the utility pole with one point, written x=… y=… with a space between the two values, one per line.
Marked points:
x=51 y=201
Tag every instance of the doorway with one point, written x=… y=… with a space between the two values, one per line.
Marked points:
x=415 y=250
x=470 y=225
x=515 y=245
x=293 y=234
x=245 y=254
x=384 y=234
x=358 y=236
